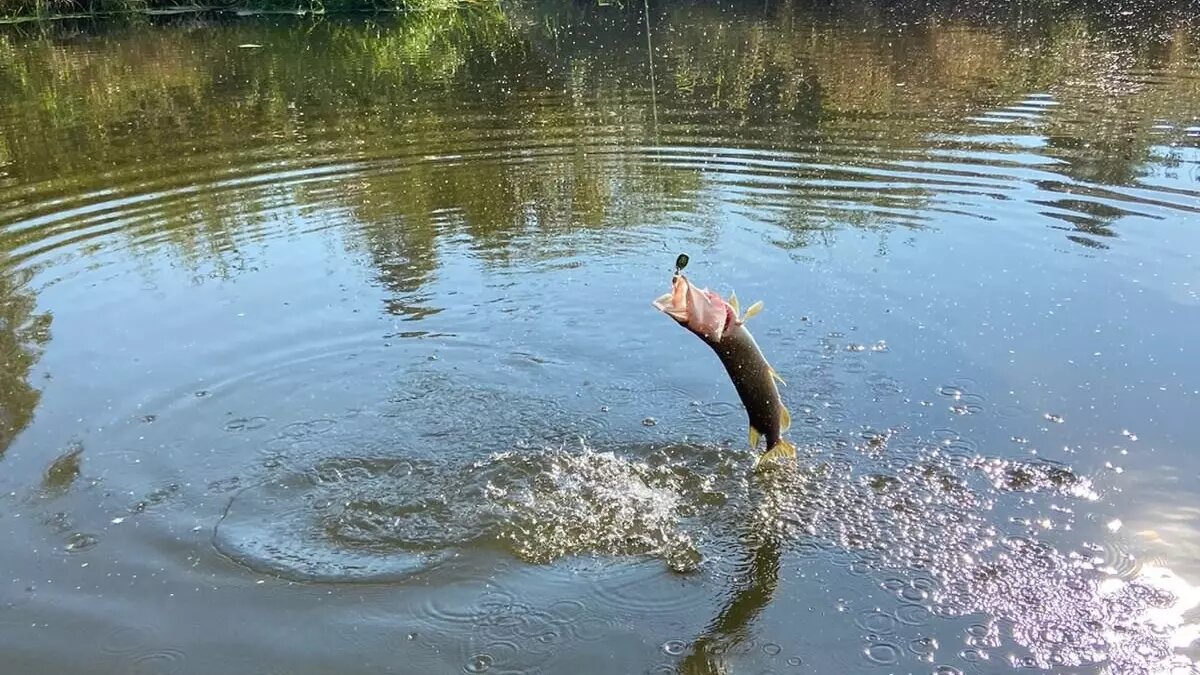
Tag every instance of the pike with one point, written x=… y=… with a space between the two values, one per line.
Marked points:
x=721 y=326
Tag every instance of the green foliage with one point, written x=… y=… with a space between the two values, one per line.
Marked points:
x=18 y=10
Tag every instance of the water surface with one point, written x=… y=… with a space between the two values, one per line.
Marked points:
x=328 y=346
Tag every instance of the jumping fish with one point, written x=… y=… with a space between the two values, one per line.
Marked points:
x=721 y=326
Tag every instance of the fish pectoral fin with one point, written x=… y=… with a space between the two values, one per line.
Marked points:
x=782 y=450
x=733 y=302
x=776 y=376
x=753 y=438
x=785 y=419
x=752 y=310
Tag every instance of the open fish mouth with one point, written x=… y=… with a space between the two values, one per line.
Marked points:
x=675 y=303
x=700 y=310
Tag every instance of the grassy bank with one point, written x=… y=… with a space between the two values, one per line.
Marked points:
x=27 y=10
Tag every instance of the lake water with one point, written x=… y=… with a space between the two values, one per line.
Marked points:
x=328 y=346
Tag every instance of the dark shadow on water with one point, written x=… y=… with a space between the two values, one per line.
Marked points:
x=749 y=595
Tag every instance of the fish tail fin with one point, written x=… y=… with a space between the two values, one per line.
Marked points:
x=781 y=450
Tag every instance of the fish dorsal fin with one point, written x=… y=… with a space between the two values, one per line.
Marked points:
x=752 y=310
x=733 y=302
x=753 y=438
x=785 y=419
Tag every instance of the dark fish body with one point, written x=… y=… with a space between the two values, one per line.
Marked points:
x=754 y=381
x=719 y=324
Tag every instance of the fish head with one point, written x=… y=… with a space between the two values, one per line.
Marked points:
x=699 y=310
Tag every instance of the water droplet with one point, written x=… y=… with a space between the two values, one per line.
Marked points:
x=771 y=648
x=649 y=422
x=81 y=541
x=1057 y=419
x=973 y=655
x=882 y=653
x=674 y=647
x=923 y=645
x=480 y=663
x=951 y=391
x=877 y=622
x=946 y=670
x=162 y=660
x=794 y=661
x=978 y=630
x=246 y=424
x=913 y=615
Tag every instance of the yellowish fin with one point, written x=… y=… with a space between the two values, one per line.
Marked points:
x=752 y=310
x=785 y=419
x=753 y=438
x=782 y=450
x=733 y=302
x=776 y=376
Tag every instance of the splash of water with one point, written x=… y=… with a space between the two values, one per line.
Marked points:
x=927 y=519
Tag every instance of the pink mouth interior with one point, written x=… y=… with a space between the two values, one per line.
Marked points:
x=702 y=311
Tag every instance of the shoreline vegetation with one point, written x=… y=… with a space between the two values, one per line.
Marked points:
x=23 y=11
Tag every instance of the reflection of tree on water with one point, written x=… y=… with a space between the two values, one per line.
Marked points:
x=1086 y=218
x=751 y=592
x=23 y=335
x=830 y=85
